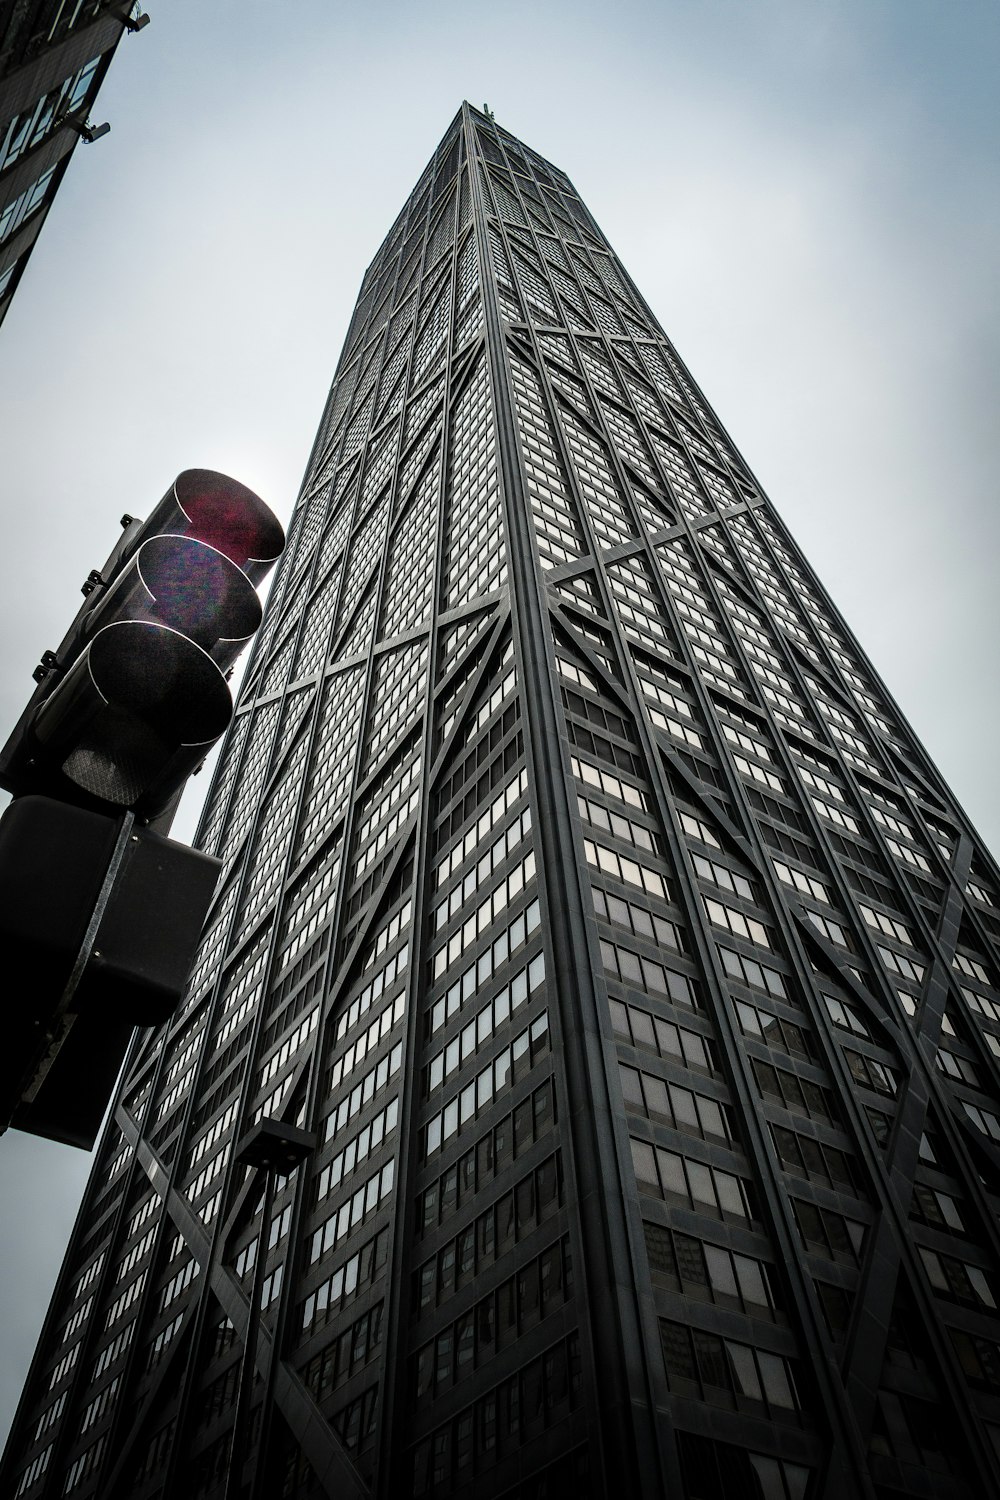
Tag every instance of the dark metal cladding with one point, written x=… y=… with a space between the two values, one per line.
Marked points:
x=590 y=910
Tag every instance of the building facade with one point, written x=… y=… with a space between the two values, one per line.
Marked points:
x=591 y=908
x=54 y=55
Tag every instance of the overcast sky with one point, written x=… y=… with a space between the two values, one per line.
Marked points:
x=805 y=191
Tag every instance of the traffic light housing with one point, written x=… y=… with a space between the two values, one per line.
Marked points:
x=113 y=921
x=135 y=696
x=99 y=911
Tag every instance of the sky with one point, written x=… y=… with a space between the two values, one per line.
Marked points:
x=805 y=191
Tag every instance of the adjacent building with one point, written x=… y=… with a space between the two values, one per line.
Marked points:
x=618 y=970
x=54 y=55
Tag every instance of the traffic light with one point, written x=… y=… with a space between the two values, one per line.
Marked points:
x=99 y=911
x=135 y=696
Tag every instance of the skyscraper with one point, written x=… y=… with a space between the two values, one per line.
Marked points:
x=54 y=55
x=616 y=964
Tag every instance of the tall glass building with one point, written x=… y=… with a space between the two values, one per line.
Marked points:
x=617 y=967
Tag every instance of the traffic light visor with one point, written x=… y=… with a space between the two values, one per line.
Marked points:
x=135 y=714
x=222 y=512
x=188 y=586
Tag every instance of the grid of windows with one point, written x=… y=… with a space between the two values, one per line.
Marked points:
x=475 y=556
x=560 y=537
